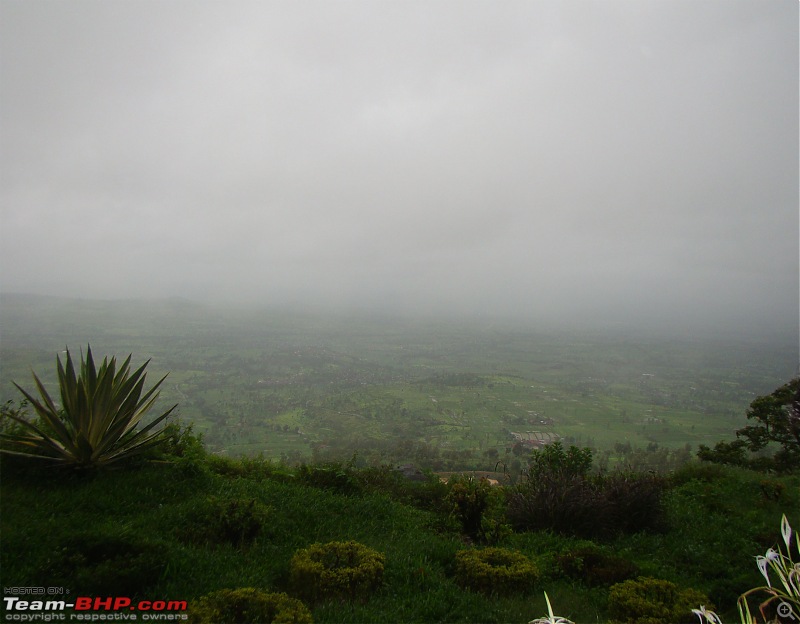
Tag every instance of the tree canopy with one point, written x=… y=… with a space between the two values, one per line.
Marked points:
x=775 y=421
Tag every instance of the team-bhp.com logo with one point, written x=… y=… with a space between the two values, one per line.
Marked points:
x=87 y=609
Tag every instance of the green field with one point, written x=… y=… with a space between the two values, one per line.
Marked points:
x=291 y=386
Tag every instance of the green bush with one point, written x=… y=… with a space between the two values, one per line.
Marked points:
x=495 y=571
x=634 y=501
x=216 y=521
x=248 y=467
x=478 y=507
x=697 y=471
x=653 y=601
x=771 y=490
x=107 y=565
x=334 y=477
x=428 y=495
x=337 y=570
x=569 y=505
x=181 y=442
x=588 y=506
x=553 y=459
x=248 y=605
x=596 y=568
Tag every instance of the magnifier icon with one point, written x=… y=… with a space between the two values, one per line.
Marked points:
x=785 y=611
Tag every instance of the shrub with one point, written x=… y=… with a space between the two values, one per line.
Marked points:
x=234 y=521
x=478 y=507
x=10 y=416
x=634 y=501
x=570 y=505
x=181 y=442
x=333 y=477
x=596 y=568
x=97 y=423
x=248 y=467
x=696 y=471
x=559 y=495
x=248 y=605
x=653 y=601
x=771 y=490
x=428 y=495
x=107 y=565
x=553 y=459
x=495 y=571
x=337 y=570
x=575 y=503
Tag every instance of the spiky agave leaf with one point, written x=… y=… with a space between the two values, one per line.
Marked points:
x=58 y=442
x=36 y=443
x=98 y=421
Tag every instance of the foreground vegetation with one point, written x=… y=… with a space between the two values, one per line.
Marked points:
x=199 y=524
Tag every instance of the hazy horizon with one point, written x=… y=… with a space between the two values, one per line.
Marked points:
x=628 y=164
x=178 y=308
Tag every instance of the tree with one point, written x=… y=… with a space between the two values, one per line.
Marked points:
x=554 y=459
x=776 y=421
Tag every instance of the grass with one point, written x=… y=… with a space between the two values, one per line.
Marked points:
x=52 y=523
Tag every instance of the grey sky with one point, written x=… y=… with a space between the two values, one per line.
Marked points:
x=618 y=158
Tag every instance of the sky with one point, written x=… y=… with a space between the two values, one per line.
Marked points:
x=617 y=160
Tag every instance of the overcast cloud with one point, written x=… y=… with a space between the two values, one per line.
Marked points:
x=552 y=159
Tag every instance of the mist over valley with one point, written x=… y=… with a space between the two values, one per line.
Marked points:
x=444 y=393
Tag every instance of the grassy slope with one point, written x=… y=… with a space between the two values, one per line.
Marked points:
x=718 y=519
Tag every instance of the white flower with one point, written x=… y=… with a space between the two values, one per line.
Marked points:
x=550 y=618
x=761 y=562
x=794 y=578
x=706 y=616
x=762 y=566
x=786 y=531
x=772 y=555
x=764 y=561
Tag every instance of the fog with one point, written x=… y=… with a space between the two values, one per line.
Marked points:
x=616 y=162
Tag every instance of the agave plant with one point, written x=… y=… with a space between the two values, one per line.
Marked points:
x=97 y=423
